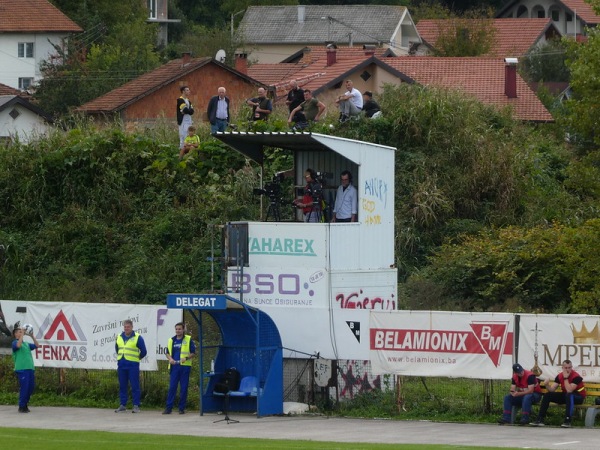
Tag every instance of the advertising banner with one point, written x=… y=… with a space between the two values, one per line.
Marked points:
x=83 y=335
x=297 y=287
x=273 y=244
x=546 y=340
x=442 y=344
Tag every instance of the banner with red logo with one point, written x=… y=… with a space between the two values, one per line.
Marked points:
x=83 y=335
x=441 y=344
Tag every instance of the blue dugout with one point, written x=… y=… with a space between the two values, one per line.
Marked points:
x=249 y=341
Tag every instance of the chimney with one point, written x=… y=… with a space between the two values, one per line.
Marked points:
x=301 y=13
x=186 y=57
x=241 y=62
x=369 y=49
x=510 y=77
x=331 y=55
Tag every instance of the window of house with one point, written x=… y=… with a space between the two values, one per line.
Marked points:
x=569 y=17
x=541 y=14
x=25 y=50
x=556 y=15
x=25 y=83
x=152 y=9
x=14 y=114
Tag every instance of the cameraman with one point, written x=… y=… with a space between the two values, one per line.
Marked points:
x=311 y=201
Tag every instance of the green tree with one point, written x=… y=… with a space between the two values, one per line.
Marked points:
x=582 y=111
x=465 y=36
x=75 y=78
x=550 y=269
x=546 y=63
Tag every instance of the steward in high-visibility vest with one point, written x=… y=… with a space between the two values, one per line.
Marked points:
x=180 y=351
x=128 y=350
x=184 y=352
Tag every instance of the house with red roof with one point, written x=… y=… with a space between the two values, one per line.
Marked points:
x=570 y=17
x=510 y=37
x=323 y=70
x=152 y=96
x=29 y=29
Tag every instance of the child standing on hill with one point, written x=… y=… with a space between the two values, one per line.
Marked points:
x=190 y=142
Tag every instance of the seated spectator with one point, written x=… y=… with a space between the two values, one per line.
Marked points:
x=310 y=110
x=370 y=106
x=190 y=142
x=350 y=103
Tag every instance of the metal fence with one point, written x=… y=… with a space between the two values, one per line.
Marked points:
x=352 y=379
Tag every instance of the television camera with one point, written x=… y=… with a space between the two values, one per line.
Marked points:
x=274 y=192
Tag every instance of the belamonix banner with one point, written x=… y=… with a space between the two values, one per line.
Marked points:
x=83 y=335
x=444 y=344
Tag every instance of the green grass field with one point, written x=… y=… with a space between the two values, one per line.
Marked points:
x=34 y=439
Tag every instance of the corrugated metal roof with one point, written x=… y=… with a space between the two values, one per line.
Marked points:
x=280 y=24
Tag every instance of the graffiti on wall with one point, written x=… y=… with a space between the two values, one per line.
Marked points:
x=354 y=377
x=356 y=300
x=376 y=193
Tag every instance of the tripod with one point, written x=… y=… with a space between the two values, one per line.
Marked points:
x=315 y=213
x=273 y=211
x=226 y=412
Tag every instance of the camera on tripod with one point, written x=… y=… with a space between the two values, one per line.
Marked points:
x=322 y=178
x=272 y=189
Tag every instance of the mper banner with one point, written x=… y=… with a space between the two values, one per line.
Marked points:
x=546 y=340
x=83 y=335
x=441 y=344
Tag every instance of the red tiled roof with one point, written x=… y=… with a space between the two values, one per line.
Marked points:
x=7 y=90
x=144 y=85
x=480 y=77
x=312 y=71
x=513 y=37
x=584 y=10
x=23 y=16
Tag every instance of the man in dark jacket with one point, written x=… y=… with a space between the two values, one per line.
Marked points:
x=218 y=111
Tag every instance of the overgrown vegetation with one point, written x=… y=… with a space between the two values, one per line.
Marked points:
x=105 y=215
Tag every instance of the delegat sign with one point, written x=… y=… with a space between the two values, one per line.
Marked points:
x=196 y=301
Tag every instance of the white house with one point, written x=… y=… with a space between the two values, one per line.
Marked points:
x=28 y=30
x=270 y=34
x=20 y=119
x=570 y=17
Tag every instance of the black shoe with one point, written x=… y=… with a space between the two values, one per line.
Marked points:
x=167 y=411
x=181 y=411
x=503 y=421
x=524 y=421
x=344 y=118
x=27 y=408
x=566 y=424
x=537 y=423
x=23 y=410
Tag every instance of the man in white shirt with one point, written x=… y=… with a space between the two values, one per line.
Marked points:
x=346 y=200
x=350 y=103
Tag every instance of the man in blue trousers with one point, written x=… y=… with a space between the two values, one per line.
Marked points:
x=180 y=351
x=131 y=349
